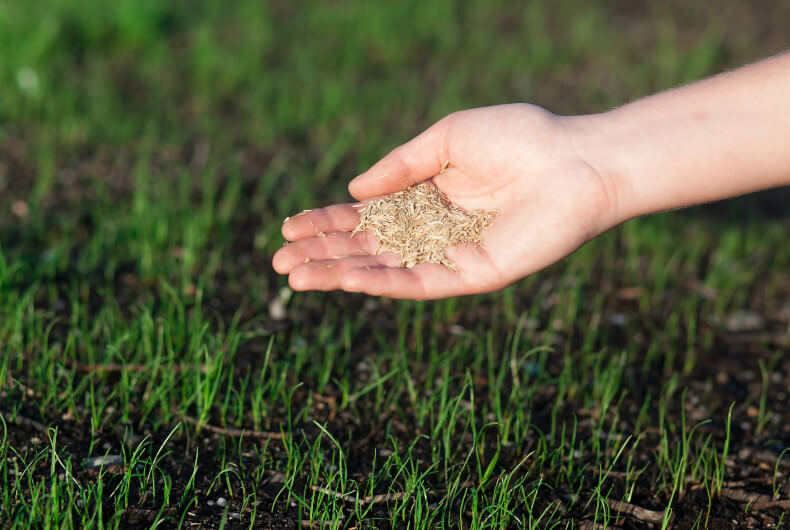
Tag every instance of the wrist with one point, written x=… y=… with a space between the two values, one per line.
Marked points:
x=699 y=143
x=594 y=138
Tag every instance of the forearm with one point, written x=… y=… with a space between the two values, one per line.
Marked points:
x=717 y=138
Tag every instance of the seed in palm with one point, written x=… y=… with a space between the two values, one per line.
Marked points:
x=420 y=224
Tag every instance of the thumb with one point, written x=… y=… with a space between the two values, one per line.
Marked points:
x=411 y=163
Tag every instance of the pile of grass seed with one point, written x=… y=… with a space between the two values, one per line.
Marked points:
x=420 y=223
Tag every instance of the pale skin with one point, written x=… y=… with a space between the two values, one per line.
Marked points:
x=556 y=181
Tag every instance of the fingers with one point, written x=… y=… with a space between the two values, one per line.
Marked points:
x=406 y=165
x=327 y=275
x=335 y=218
x=377 y=276
x=332 y=246
x=423 y=282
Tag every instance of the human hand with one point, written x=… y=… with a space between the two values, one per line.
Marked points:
x=556 y=181
x=518 y=159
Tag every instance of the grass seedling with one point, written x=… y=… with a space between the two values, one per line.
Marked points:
x=145 y=167
x=776 y=486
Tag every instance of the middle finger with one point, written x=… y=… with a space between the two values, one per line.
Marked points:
x=333 y=245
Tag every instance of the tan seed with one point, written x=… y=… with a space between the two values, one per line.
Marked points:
x=420 y=223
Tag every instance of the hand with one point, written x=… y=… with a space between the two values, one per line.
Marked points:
x=555 y=181
x=518 y=159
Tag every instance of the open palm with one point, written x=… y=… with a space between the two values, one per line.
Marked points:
x=518 y=159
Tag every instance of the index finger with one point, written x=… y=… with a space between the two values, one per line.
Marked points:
x=311 y=223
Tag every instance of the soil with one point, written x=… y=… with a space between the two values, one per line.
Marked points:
x=729 y=364
x=725 y=369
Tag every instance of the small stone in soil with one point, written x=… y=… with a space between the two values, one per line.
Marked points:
x=106 y=460
x=744 y=320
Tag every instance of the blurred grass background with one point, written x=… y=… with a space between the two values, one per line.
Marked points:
x=258 y=109
x=149 y=150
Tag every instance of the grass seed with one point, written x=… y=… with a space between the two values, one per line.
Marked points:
x=420 y=223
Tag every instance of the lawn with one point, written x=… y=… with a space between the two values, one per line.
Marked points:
x=155 y=371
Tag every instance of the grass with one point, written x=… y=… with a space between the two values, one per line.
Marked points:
x=148 y=152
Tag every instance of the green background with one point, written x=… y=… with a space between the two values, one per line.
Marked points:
x=148 y=152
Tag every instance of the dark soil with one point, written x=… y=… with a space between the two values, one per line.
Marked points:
x=726 y=368
x=726 y=373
